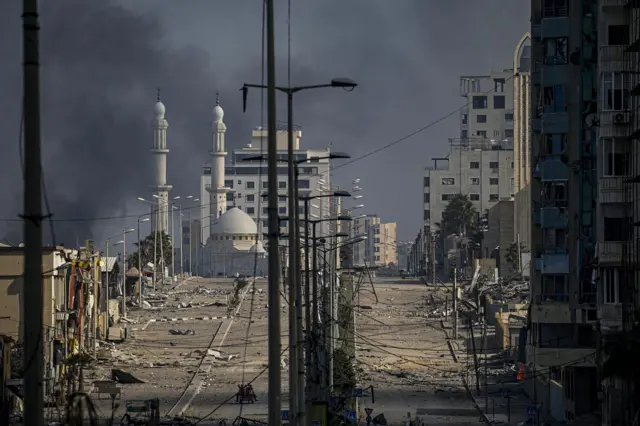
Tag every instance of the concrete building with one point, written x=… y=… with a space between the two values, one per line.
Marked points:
x=479 y=168
x=244 y=181
x=160 y=218
x=404 y=248
x=380 y=246
x=496 y=243
x=386 y=248
x=564 y=88
x=522 y=141
x=618 y=126
x=191 y=255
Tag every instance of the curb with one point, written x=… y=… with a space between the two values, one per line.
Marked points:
x=168 y=319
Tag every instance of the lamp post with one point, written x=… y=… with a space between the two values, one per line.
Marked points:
x=140 y=260
x=124 y=269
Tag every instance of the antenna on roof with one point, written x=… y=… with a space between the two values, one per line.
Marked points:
x=158 y=94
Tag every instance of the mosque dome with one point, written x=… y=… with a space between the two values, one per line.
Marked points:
x=218 y=112
x=236 y=222
x=159 y=110
x=257 y=248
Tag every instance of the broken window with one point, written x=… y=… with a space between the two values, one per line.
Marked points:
x=553 y=99
x=448 y=181
x=498 y=85
x=554 y=144
x=554 y=8
x=617 y=229
x=556 y=51
x=554 y=192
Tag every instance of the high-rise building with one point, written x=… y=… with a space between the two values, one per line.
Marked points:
x=561 y=351
x=380 y=246
x=522 y=141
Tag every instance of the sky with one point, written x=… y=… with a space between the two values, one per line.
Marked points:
x=103 y=60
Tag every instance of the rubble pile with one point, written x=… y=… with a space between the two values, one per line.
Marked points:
x=513 y=291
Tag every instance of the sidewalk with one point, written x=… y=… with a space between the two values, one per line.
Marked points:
x=506 y=402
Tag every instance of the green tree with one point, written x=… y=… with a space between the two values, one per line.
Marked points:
x=162 y=240
x=459 y=217
x=511 y=256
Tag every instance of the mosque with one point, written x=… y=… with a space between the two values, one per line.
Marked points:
x=234 y=245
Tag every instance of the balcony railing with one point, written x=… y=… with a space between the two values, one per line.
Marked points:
x=614 y=3
x=615 y=251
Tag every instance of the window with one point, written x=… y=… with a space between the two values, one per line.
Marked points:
x=229 y=196
x=554 y=144
x=447 y=197
x=474 y=165
x=611 y=285
x=251 y=210
x=616 y=229
x=493 y=181
x=464 y=134
x=250 y=198
x=228 y=183
x=265 y=210
x=282 y=199
x=464 y=119
x=481 y=133
x=508 y=133
x=512 y=164
x=554 y=288
x=481 y=118
x=556 y=51
x=618 y=35
x=282 y=210
x=427 y=215
x=615 y=157
x=508 y=116
x=554 y=192
x=426 y=182
x=303 y=184
x=554 y=8
x=448 y=181
x=493 y=197
x=498 y=85
x=427 y=197
x=496 y=133
x=513 y=181
x=265 y=185
x=474 y=181
x=499 y=102
x=615 y=96
x=474 y=197
x=479 y=102
x=376 y=249
x=282 y=184
x=553 y=99
x=494 y=165
x=250 y=185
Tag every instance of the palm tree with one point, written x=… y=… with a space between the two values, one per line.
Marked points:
x=459 y=217
x=147 y=251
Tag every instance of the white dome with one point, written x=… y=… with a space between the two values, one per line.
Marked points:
x=218 y=114
x=159 y=110
x=234 y=221
x=257 y=247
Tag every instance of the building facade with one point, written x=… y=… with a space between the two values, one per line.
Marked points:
x=564 y=90
x=522 y=141
x=380 y=246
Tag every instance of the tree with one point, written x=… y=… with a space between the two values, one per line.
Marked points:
x=511 y=256
x=459 y=217
x=146 y=250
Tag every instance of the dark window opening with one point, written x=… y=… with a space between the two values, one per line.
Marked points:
x=499 y=102
x=556 y=51
x=479 y=102
x=618 y=35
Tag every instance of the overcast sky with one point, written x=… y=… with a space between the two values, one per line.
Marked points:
x=103 y=59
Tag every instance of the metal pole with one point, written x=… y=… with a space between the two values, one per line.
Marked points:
x=486 y=376
x=124 y=274
x=139 y=269
x=455 y=303
x=190 y=246
x=299 y=324
x=316 y=325
x=329 y=283
x=181 y=242
x=155 y=254
x=308 y=320
x=173 y=246
x=519 y=255
x=274 y=273
x=293 y=279
x=433 y=260
x=106 y=283
x=32 y=308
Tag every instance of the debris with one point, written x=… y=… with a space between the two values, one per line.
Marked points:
x=124 y=377
x=182 y=332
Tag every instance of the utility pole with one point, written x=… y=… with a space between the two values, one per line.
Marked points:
x=455 y=304
x=32 y=308
x=308 y=319
x=124 y=273
x=155 y=255
x=190 y=246
x=475 y=356
x=433 y=261
x=486 y=375
x=519 y=255
x=173 y=247
x=139 y=269
x=274 y=273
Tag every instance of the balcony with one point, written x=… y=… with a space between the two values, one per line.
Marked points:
x=555 y=312
x=555 y=122
x=556 y=263
x=551 y=218
x=611 y=189
x=614 y=3
x=611 y=58
x=551 y=169
x=615 y=252
x=610 y=316
x=614 y=123
x=554 y=27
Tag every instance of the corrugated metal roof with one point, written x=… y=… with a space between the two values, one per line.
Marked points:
x=110 y=262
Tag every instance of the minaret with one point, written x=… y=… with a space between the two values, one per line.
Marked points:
x=160 y=151
x=217 y=190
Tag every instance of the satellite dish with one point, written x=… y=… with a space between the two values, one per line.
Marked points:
x=592 y=120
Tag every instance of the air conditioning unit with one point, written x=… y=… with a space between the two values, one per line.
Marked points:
x=621 y=118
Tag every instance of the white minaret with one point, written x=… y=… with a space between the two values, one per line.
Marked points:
x=217 y=190
x=160 y=151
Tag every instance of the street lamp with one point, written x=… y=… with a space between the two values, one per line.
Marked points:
x=124 y=269
x=140 y=260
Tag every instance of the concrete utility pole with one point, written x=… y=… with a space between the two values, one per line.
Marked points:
x=274 y=272
x=32 y=308
x=455 y=303
x=433 y=261
x=519 y=255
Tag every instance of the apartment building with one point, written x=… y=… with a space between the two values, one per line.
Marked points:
x=380 y=246
x=522 y=141
x=247 y=180
x=618 y=127
x=564 y=92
